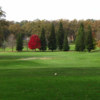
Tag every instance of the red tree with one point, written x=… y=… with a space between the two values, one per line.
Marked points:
x=34 y=42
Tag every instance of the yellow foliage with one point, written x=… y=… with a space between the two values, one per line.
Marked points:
x=98 y=43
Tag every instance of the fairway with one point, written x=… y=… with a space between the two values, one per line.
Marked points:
x=31 y=75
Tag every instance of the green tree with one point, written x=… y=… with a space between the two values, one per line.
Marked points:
x=19 y=45
x=2 y=13
x=66 y=45
x=60 y=36
x=4 y=32
x=52 y=39
x=2 y=23
x=89 y=40
x=43 y=40
x=80 y=39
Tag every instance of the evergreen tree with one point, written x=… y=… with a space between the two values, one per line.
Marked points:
x=80 y=39
x=19 y=46
x=89 y=40
x=66 y=45
x=60 y=36
x=43 y=40
x=52 y=39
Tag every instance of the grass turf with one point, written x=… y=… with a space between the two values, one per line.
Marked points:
x=78 y=76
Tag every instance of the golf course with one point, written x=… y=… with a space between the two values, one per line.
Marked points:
x=50 y=75
x=49 y=50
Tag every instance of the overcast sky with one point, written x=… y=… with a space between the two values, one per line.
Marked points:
x=18 y=10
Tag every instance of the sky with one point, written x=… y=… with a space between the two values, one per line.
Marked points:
x=18 y=10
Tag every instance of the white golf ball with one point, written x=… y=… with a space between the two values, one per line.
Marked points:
x=55 y=74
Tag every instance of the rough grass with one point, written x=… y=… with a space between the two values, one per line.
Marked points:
x=78 y=76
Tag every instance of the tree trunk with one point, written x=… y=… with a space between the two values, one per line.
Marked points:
x=12 y=48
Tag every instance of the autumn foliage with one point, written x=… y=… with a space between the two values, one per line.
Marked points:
x=34 y=42
x=98 y=43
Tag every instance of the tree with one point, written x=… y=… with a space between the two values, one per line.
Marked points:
x=89 y=40
x=80 y=39
x=52 y=39
x=2 y=13
x=26 y=39
x=60 y=36
x=4 y=32
x=66 y=45
x=34 y=42
x=15 y=29
x=2 y=23
x=19 y=46
x=11 y=41
x=4 y=45
x=98 y=43
x=43 y=40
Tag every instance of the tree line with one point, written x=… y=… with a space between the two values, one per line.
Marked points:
x=9 y=31
x=84 y=40
x=54 y=42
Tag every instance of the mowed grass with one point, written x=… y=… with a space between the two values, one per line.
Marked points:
x=26 y=76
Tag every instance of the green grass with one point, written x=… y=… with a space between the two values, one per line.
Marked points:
x=8 y=49
x=78 y=76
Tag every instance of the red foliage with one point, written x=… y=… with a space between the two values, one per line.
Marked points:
x=34 y=42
